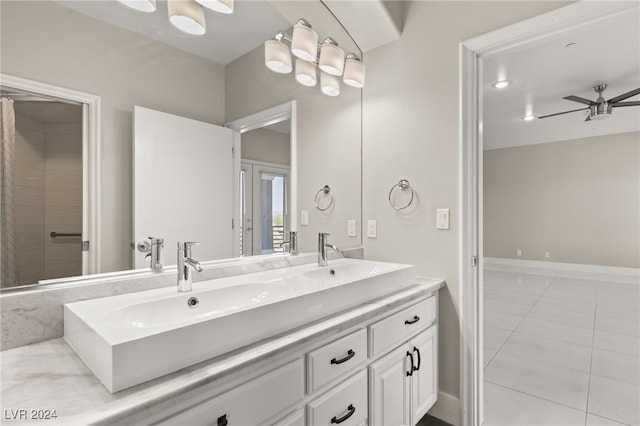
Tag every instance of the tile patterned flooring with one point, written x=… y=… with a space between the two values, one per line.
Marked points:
x=561 y=348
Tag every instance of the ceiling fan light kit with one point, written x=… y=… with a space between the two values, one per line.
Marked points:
x=600 y=108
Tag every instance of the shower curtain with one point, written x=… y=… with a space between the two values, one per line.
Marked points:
x=8 y=265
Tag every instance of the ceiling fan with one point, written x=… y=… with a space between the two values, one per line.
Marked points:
x=600 y=108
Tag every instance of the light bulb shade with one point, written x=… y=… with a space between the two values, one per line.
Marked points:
x=329 y=84
x=354 y=72
x=304 y=42
x=222 y=6
x=277 y=57
x=305 y=73
x=331 y=59
x=187 y=16
x=141 y=5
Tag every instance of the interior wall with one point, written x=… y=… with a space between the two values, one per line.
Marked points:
x=266 y=145
x=579 y=200
x=63 y=199
x=46 y=42
x=410 y=130
x=329 y=142
x=29 y=198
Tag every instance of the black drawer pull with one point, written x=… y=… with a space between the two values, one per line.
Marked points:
x=350 y=354
x=411 y=369
x=351 y=409
x=222 y=420
x=416 y=350
x=414 y=320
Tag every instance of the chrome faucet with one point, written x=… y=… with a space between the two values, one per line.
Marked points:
x=185 y=264
x=292 y=244
x=322 y=248
x=154 y=247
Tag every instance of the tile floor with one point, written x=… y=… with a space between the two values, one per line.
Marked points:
x=561 y=348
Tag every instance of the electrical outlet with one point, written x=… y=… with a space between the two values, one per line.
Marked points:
x=304 y=217
x=372 y=229
x=518 y=252
x=351 y=228
x=546 y=254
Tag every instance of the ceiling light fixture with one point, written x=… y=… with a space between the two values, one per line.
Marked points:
x=221 y=6
x=141 y=5
x=501 y=84
x=529 y=117
x=332 y=60
x=187 y=16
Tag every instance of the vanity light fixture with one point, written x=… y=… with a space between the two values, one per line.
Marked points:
x=501 y=84
x=187 y=16
x=332 y=60
x=331 y=57
x=222 y=6
x=141 y=5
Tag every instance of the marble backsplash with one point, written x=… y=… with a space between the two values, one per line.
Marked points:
x=36 y=314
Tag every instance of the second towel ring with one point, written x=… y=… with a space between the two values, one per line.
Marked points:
x=403 y=185
x=326 y=190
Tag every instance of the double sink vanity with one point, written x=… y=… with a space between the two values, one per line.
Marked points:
x=353 y=342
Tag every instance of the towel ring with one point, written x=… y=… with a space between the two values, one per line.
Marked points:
x=403 y=185
x=326 y=190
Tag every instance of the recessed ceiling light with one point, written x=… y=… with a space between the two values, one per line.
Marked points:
x=501 y=84
x=529 y=117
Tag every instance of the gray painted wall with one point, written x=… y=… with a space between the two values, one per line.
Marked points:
x=266 y=145
x=411 y=131
x=46 y=42
x=579 y=200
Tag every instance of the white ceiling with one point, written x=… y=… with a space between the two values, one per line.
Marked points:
x=542 y=73
x=228 y=36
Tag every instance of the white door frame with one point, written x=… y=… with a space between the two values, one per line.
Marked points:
x=470 y=163
x=90 y=159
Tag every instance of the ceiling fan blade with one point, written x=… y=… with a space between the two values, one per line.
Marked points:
x=579 y=99
x=624 y=96
x=631 y=103
x=564 y=112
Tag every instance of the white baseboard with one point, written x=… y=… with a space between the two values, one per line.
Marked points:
x=596 y=269
x=447 y=409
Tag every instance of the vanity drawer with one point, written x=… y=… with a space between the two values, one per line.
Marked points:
x=336 y=359
x=400 y=326
x=251 y=403
x=346 y=404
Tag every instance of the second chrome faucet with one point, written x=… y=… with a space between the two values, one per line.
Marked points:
x=322 y=248
x=185 y=264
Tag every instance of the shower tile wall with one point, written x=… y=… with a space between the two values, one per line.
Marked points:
x=29 y=197
x=63 y=199
x=48 y=176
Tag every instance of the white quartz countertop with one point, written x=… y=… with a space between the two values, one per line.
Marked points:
x=50 y=376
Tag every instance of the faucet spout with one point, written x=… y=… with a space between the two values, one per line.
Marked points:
x=194 y=264
x=322 y=249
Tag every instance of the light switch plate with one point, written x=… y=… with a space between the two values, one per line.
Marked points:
x=351 y=228
x=304 y=217
x=442 y=218
x=518 y=252
x=372 y=229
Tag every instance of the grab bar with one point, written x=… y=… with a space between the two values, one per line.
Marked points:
x=65 y=234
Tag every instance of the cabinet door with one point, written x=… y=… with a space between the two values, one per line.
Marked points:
x=424 y=381
x=389 y=388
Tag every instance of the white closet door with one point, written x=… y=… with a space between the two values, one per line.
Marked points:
x=183 y=185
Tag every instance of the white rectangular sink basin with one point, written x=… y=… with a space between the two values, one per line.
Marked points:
x=132 y=338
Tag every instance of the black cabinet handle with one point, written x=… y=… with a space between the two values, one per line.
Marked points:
x=411 y=369
x=350 y=354
x=351 y=409
x=414 y=320
x=416 y=350
x=222 y=420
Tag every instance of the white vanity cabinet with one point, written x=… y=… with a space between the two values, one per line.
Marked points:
x=403 y=384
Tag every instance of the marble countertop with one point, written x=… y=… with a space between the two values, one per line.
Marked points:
x=50 y=376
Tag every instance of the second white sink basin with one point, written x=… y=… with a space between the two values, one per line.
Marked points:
x=132 y=338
